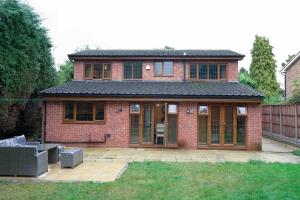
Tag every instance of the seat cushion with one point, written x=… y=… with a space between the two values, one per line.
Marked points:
x=21 y=139
x=11 y=142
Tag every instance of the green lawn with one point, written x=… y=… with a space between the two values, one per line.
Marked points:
x=158 y=180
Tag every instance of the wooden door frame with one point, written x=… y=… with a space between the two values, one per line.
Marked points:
x=141 y=132
x=222 y=128
x=141 y=118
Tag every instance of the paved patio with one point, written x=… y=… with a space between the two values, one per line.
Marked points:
x=107 y=164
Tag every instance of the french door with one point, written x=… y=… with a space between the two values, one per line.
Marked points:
x=221 y=125
x=147 y=124
x=144 y=119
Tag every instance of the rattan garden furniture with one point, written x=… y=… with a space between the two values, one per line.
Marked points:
x=71 y=157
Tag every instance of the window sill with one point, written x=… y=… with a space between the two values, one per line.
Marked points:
x=163 y=76
x=83 y=122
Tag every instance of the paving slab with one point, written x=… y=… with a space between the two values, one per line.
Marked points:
x=107 y=164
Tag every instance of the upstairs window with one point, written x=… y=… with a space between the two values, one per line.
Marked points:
x=97 y=71
x=163 y=68
x=133 y=70
x=203 y=71
x=88 y=71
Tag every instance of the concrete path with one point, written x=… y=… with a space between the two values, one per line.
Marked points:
x=107 y=164
x=272 y=152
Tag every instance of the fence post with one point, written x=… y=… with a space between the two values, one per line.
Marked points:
x=270 y=116
x=280 y=120
x=296 y=124
x=271 y=119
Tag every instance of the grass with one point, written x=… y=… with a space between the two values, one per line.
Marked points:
x=297 y=152
x=158 y=180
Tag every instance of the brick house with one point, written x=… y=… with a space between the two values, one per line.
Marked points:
x=154 y=98
x=291 y=72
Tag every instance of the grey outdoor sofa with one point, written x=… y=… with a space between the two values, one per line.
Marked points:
x=21 y=159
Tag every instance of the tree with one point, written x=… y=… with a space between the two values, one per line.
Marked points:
x=168 y=47
x=263 y=67
x=290 y=57
x=296 y=93
x=65 y=72
x=26 y=63
x=245 y=78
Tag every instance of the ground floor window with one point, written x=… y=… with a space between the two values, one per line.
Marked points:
x=222 y=124
x=84 y=112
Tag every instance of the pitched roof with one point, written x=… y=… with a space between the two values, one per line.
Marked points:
x=290 y=63
x=156 y=53
x=162 y=89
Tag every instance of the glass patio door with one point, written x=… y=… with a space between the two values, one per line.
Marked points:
x=147 y=125
x=215 y=125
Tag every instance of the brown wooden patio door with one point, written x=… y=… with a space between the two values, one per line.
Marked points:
x=217 y=126
x=147 y=124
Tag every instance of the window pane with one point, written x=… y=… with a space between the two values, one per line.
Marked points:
x=222 y=71
x=168 y=68
x=97 y=71
x=229 y=125
x=99 y=109
x=203 y=109
x=193 y=71
x=137 y=71
x=172 y=109
x=84 y=112
x=128 y=70
x=107 y=71
x=88 y=71
x=134 y=129
x=172 y=129
x=134 y=108
x=213 y=71
x=241 y=110
x=203 y=129
x=69 y=108
x=158 y=68
x=241 y=130
x=202 y=71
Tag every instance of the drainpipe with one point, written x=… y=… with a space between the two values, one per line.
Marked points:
x=45 y=122
x=184 y=70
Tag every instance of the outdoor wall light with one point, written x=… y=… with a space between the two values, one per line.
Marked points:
x=147 y=67
x=119 y=108
x=189 y=110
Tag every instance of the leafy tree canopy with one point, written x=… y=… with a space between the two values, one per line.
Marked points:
x=26 y=63
x=245 y=78
x=65 y=72
x=290 y=57
x=296 y=93
x=263 y=67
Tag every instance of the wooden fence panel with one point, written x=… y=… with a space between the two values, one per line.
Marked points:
x=282 y=121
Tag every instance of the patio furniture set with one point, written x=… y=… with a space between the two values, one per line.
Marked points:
x=19 y=157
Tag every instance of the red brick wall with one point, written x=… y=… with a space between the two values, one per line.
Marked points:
x=292 y=75
x=187 y=126
x=116 y=124
x=117 y=71
x=232 y=71
x=78 y=70
x=254 y=127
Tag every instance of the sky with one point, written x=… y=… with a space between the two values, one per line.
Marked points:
x=182 y=24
